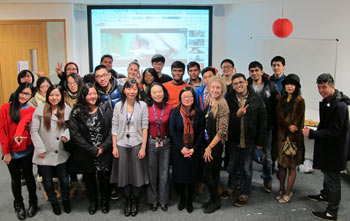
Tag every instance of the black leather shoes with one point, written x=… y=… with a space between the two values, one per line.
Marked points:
x=134 y=206
x=181 y=204
x=92 y=207
x=154 y=207
x=189 y=205
x=127 y=208
x=66 y=206
x=56 y=208
x=105 y=206
x=20 y=211
x=33 y=208
x=164 y=207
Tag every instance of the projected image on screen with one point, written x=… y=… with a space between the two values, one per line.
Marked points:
x=126 y=45
x=139 y=33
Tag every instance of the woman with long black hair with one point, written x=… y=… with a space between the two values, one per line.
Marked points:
x=129 y=136
x=17 y=155
x=91 y=146
x=49 y=132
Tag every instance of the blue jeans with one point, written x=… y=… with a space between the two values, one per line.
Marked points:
x=267 y=159
x=48 y=172
x=241 y=160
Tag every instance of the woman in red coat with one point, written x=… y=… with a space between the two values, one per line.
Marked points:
x=17 y=155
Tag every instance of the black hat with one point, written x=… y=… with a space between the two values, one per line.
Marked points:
x=291 y=79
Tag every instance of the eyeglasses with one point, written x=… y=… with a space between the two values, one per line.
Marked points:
x=101 y=76
x=72 y=84
x=187 y=97
x=25 y=94
x=71 y=69
x=238 y=83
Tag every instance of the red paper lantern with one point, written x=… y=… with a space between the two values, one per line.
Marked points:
x=282 y=27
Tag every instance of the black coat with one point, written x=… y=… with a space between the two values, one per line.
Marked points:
x=332 y=134
x=270 y=95
x=185 y=170
x=255 y=119
x=81 y=148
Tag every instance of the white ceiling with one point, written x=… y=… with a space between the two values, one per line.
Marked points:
x=133 y=2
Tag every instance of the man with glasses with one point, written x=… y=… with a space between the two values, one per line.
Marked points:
x=228 y=70
x=106 y=85
x=270 y=95
x=247 y=131
x=158 y=61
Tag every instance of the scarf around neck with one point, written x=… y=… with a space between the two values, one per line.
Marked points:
x=188 y=120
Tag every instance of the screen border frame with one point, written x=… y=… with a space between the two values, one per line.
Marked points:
x=90 y=8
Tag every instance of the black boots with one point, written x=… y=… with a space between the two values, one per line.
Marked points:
x=33 y=208
x=105 y=205
x=20 y=210
x=56 y=208
x=93 y=207
x=214 y=204
x=131 y=206
x=66 y=206
x=134 y=206
x=127 y=208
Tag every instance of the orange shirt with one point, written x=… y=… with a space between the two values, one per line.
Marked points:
x=174 y=92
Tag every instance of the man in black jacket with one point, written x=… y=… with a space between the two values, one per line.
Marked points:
x=331 y=144
x=247 y=131
x=270 y=95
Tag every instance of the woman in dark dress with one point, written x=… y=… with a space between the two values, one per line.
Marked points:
x=91 y=148
x=186 y=131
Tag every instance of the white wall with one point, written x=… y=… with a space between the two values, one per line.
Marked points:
x=318 y=19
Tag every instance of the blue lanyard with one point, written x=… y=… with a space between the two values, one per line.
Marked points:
x=156 y=117
x=128 y=120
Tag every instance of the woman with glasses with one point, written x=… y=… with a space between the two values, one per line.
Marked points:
x=17 y=155
x=186 y=131
x=42 y=84
x=129 y=136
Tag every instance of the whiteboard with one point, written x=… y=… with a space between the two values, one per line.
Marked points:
x=307 y=58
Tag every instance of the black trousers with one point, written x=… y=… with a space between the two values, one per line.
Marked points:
x=332 y=191
x=104 y=187
x=26 y=166
x=211 y=172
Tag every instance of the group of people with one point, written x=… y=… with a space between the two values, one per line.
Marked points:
x=128 y=131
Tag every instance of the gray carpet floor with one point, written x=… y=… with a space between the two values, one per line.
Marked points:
x=261 y=205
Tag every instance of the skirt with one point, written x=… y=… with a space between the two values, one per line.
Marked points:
x=128 y=169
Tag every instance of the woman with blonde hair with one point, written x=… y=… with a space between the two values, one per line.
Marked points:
x=215 y=134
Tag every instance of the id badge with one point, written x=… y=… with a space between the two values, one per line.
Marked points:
x=159 y=144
